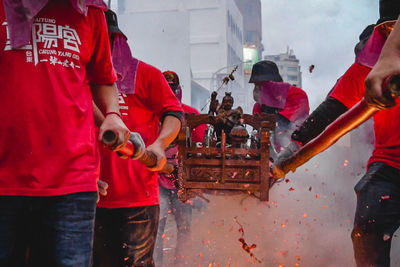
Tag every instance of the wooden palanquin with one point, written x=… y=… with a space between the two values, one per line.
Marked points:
x=220 y=167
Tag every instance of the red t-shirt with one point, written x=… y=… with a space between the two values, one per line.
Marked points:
x=171 y=153
x=296 y=105
x=130 y=183
x=349 y=90
x=47 y=129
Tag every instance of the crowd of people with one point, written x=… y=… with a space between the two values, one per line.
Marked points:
x=69 y=76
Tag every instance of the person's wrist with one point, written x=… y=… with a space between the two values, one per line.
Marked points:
x=113 y=113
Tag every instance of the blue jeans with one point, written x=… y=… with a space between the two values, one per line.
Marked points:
x=377 y=215
x=57 y=230
x=125 y=237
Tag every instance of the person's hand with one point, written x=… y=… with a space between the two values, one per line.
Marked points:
x=101 y=189
x=287 y=152
x=114 y=123
x=374 y=94
x=276 y=172
x=388 y=65
x=158 y=150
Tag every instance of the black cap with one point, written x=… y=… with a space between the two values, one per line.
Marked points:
x=388 y=10
x=263 y=71
x=112 y=22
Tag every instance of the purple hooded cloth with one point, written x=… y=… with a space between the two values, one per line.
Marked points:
x=369 y=55
x=20 y=14
x=124 y=64
x=178 y=93
x=274 y=94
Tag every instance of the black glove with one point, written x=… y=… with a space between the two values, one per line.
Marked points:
x=138 y=144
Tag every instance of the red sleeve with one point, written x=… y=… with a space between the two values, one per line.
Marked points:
x=256 y=109
x=199 y=131
x=161 y=98
x=100 y=69
x=350 y=88
x=296 y=106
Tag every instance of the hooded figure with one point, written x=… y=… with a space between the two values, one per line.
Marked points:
x=274 y=96
x=173 y=81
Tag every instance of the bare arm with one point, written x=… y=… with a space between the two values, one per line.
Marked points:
x=169 y=130
x=106 y=99
x=98 y=115
x=388 y=64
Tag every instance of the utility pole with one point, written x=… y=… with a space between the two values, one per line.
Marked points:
x=109 y=3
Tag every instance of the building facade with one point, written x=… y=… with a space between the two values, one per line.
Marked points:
x=201 y=39
x=252 y=47
x=289 y=67
x=252 y=23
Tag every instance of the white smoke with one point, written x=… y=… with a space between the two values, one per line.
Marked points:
x=307 y=221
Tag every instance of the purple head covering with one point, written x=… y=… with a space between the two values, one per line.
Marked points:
x=178 y=93
x=274 y=94
x=20 y=14
x=124 y=64
x=369 y=55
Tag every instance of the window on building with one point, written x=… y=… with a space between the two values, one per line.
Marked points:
x=292 y=69
x=292 y=77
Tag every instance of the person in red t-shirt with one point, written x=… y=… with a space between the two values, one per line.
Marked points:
x=377 y=214
x=273 y=96
x=388 y=64
x=169 y=202
x=127 y=217
x=49 y=164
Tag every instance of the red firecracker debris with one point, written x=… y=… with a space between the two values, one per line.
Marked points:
x=283 y=253
x=311 y=68
x=291 y=189
x=245 y=246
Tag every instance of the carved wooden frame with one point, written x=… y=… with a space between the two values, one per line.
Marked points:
x=224 y=168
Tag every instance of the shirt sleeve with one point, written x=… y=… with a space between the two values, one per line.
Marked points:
x=350 y=88
x=100 y=69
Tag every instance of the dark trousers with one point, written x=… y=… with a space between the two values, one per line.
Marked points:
x=377 y=215
x=125 y=237
x=58 y=230
x=169 y=203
